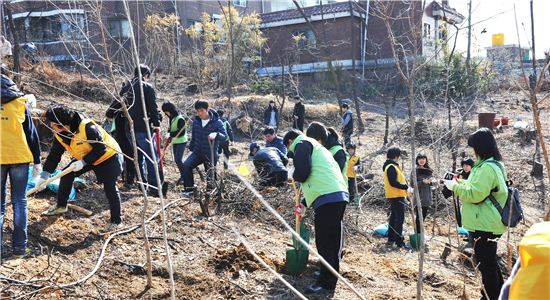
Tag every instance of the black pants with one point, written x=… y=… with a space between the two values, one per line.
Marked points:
x=396 y=218
x=486 y=257
x=425 y=211
x=352 y=188
x=274 y=179
x=107 y=173
x=298 y=124
x=224 y=147
x=329 y=239
x=126 y=147
x=347 y=137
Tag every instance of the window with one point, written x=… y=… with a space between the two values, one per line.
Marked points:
x=119 y=28
x=427 y=30
x=241 y=3
x=191 y=22
x=307 y=40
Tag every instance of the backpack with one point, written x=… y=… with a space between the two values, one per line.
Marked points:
x=512 y=213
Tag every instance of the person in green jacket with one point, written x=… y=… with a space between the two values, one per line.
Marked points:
x=325 y=190
x=479 y=215
x=177 y=132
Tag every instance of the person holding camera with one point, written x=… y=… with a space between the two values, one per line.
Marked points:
x=480 y=217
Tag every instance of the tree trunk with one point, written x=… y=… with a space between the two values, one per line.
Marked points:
x=16 y=48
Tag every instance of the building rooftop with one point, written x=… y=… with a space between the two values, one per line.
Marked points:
x=310 y=11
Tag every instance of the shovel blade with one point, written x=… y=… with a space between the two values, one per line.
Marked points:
x=296 y=261
x=304 y=234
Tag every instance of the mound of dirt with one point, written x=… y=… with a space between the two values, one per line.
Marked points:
x=238 y=258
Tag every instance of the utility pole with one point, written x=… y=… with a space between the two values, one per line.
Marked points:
x=353 y=71
x=468 y=52
x=533 y=41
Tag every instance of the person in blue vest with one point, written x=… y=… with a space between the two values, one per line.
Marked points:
x=177 y=133
x=224 y=145
x=326 y=192
x=19 y=147
x=273 y=140
x=207 y=131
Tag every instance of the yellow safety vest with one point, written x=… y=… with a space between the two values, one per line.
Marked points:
x=533 y=278
x=79 y=146
x=13 y=146
x=392 y=192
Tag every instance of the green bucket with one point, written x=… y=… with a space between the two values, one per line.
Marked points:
x=415 y=241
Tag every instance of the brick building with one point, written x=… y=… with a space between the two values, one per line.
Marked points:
x=293 y=46
x=65 y=31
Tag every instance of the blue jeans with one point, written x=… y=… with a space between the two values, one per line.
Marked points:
x=179 y=149
x=146 y=163
x=19 y=175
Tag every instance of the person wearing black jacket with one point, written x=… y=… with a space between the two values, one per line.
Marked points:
x=224 y=146
x=20 y=146
x=325 y=190
x=347 y=123
x=270 y=164
x=177 y=134
x=271 y=115
x=91 y=148
x=396 y=191
x=120 y=127
x=132 y=94
x=329 y=138
x=298 y=114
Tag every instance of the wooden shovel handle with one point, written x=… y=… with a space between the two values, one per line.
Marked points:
x=37 y=188
x=298 y=217
x=79 y=209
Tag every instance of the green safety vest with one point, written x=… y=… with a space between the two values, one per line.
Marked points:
x=325 y=176
x=226 y=125
x=333 y=151
x=174 y=130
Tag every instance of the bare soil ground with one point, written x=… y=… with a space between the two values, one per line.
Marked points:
x=210 y=262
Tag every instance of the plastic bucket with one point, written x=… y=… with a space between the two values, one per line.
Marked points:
x=486 y=120
x=496 y=122
x=504 y=121
x=415 y=241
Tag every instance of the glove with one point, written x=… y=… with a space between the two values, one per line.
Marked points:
x=299 y=210
x=167 y=135
x=450 y=184
x=78 y=165
x=212 y=136
x=410 y=190
x=36 y=170
x=40 y=179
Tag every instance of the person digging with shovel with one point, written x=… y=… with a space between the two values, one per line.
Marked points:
x=91 y=148
x=325 y=190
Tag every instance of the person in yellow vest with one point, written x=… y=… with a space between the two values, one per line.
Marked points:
x=177 y=133
x=326 y=192
x=354 y=163
x=91 y=148
x=19 y=146
x=396 y=190
x=529 y=277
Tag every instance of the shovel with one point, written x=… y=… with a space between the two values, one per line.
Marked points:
x=296 y=258
x=39 y=187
